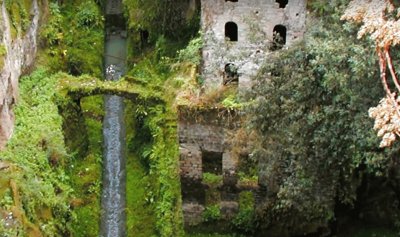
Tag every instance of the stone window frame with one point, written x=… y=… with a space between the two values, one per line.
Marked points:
x=231 y=31
x=231 y=75
x=276 y=42
x=282 y=3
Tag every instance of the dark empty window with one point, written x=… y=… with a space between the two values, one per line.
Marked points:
x=279 y=37
x=144 y=36
x=282 y=3
x=231 y=0
x=212 y=162
x=192 y=191
x=231 y=31
x=230 y=74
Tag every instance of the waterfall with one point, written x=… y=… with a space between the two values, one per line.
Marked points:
x=113 y=198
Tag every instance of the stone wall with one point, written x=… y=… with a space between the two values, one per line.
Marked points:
x=201 y=134
x=255 y=20
x=207 y=134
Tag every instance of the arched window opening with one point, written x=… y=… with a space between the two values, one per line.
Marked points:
x=231 y=31
x=279 y=37
x=231 y=75
x=282 y=3
x=231 y=0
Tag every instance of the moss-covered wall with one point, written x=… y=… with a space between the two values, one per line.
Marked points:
x=37 y=190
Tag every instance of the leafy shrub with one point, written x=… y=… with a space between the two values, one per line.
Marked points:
x=163 y=17
x=51 y=32
x=212 y=179
x=37 y=143
x=192 y=53
x=310 y=111
x=89 y=15
x=212 y=213
x=67 y=50
x=245 y=219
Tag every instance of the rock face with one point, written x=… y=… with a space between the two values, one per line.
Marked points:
x=20 y=51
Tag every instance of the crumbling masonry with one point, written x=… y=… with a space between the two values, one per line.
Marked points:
x=239 y=36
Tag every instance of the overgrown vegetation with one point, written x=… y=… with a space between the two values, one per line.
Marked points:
x=159 y=150
x=76 y=197
x=315 y=138
x=85 y=172
x=212 y=213
x=38 y=189
x=172 y=19
x=3 y=52
x=212 y=179
x=65 y=47
x=245 y=218
x=309 y=112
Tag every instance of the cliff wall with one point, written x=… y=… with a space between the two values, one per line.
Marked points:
x=19 y=25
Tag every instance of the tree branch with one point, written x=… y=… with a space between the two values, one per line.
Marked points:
x=382 y=67
x=391 y=68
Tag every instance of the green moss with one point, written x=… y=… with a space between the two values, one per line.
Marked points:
x=86 y=173
x=37 y=152
x=165 y=165
x=3 y=52
x=18 y=11
x=4 y=184
x=78 y=87
x=140 y=192
x=140 y=200
x=86 y=179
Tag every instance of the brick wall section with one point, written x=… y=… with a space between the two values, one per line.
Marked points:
x=195 y=138
x=192 y=213
x=190 y=162
x=200 y=131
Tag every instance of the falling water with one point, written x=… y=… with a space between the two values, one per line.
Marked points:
x=113 y=200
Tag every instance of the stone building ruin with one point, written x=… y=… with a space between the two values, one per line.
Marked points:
x=238 y=37
x=240 y=34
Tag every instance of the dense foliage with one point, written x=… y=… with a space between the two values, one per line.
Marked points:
x=315 y=137
x=39 y=189
x=155 y=141
x=381 y=24
x=172 y=18
x=65 y=48
x=314 y=145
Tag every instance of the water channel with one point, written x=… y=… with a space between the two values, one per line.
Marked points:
x=113 y=198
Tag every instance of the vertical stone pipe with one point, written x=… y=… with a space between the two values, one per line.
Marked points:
x=113 y=199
